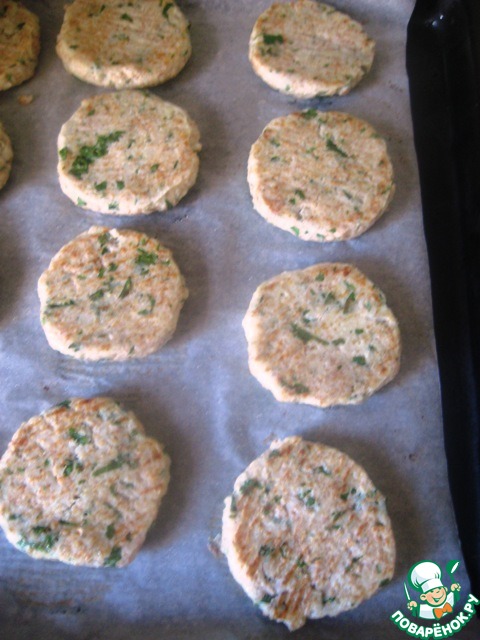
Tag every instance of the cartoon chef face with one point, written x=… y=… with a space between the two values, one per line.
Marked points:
x=435 y=597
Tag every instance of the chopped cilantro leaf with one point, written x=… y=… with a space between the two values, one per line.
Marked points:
x=304 y=335
x=114 y=557
x=166 y=9
x=272 y=38
x=78 y=437
x=89 y=153
x=331 y=146
x=309 y=114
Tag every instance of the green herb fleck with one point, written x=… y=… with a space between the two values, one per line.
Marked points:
x=63 y=153
x=145 y=258
x=114 y=557
x=233 y=507
x=272 y=38
x=89 y=153
x=147 y=312
x=360 y=360
x=306 y=497
x=40 y=529
x=166 y=9
x=295 y=230
x=78 y=437
x=300 y=193
x=274 y=453
x=97 y=295
x=60 y=305
x=267 y=598
x=322 y=469
x=154 y=167
x=101 y=186
x=309 y=114
x=120 y=184
x=330 y=298
x=296 y=387
x=349 y=303
x=331 y=146
x=304 y=335
x=81 y=203
x=69 y=467
x=126 y=17
x=249 y=485
x=46 y=542
x=266 y=550
x=103 y=238
x=114 y=464
x=110 y=532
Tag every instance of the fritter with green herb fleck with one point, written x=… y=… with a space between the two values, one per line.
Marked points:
x=322 y=336
x=306 y=534
x=322 y=176
x=111 y=294
x=81 y=483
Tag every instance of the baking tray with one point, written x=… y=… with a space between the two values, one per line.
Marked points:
x=443 y=61
x=196 y=395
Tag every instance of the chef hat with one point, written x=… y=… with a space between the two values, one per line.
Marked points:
x=425 y=576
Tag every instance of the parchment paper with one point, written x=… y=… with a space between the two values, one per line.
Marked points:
x=196 y=395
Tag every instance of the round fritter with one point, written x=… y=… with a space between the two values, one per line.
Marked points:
x=128 y=152
x=322 y=176
x=306 y=533
x=307 y=49
x=81 y=483
x=139 y=43
x=111 y=293
x=19 y=43
x=6 y=156
x=321 y=336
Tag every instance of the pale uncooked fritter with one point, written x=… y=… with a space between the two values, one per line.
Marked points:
x=6 y=156
x=322 y=176
x=306 y=533
x=111 y=293
x=128 y=152
x=309 y=49
x=19 y=44
x=81 y=483
x=139 y=43
x=321 y=336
